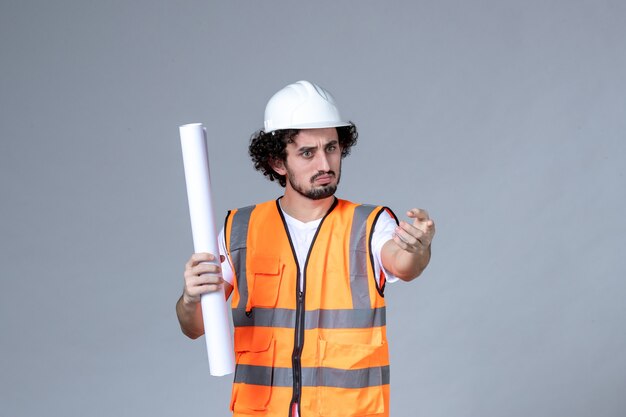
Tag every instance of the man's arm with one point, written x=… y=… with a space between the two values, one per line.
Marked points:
x=200 y=278
x=408 y=253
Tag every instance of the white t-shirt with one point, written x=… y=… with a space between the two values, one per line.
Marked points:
x=302 y=235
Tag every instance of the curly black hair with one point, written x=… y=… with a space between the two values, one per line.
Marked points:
x=267 y=147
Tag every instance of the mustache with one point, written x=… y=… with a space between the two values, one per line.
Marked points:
x=319 y=174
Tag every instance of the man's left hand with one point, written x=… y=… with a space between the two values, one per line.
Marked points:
x=415 y=237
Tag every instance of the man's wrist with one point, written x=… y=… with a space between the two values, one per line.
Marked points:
x=189 y=303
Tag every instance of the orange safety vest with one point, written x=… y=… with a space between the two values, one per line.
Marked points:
x=322 y=346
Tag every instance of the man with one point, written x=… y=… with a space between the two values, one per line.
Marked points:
x=307 y=272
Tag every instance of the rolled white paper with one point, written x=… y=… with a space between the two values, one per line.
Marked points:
x=219 y=341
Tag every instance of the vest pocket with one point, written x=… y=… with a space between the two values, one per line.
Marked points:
x=267 y=274
x=350 y=380
x=253 y=375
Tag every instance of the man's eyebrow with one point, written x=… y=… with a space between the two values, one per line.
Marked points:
x=312 y=148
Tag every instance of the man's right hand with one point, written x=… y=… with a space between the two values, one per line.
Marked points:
x=202 y=276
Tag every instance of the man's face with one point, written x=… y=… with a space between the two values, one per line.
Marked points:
x=313 y=165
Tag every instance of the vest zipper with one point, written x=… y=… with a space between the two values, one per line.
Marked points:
x=296 y=363
x=297 y=350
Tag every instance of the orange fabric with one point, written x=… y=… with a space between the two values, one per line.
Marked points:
x=271 y=282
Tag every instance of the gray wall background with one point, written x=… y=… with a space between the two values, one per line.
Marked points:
x=505 y=119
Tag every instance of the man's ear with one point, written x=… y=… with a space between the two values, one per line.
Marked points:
x=278 y=165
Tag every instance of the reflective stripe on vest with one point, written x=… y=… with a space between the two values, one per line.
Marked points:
x=341 y=366
x=238 y=248
x=313 y=377
x=323 y=319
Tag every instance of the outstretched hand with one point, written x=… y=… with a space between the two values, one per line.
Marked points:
x=416 y=236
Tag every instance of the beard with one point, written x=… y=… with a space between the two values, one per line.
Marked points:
x=315 y=192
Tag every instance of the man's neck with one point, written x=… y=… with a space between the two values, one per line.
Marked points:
x=303 y=208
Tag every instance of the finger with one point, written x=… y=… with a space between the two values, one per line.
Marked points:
x=205 y=279
x=196 y=258
x=415 y=236
x=209 y=279
x=213 y=287
x=427 y=226
x=408 y=228
x=401 y=243
x=412 y=245
x=199 y=290
x=424 y=225
x=417 y=213
x=420 y=231
x=408 y=233
x=192 y=274
x=206 y=268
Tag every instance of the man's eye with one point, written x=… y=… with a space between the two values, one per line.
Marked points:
x=307 y=154
x=331 y=148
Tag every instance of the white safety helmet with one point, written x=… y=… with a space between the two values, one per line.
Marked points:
x=302 y=105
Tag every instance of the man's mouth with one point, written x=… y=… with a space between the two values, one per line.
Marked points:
x=324 y=177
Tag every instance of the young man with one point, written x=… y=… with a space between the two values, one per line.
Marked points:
x=307 y=272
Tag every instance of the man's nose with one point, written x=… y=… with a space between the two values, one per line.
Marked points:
x=322 y=162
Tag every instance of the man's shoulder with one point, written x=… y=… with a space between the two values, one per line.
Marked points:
x=366 y=209
x=348 y=203
x=264 y=204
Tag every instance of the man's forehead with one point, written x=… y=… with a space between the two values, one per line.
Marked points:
x=313 y=137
